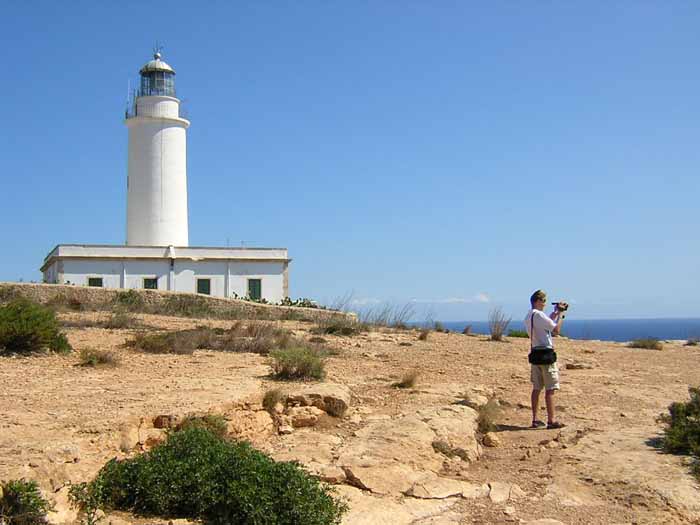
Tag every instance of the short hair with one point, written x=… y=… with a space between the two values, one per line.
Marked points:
x=539 y=295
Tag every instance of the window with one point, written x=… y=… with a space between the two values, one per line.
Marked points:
x=95 y=281
x=255 y=289
x=204 y=286
x=150 y=283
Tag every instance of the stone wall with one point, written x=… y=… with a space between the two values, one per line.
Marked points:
x=156 y=301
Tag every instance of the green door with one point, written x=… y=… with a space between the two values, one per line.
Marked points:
x=255 y=289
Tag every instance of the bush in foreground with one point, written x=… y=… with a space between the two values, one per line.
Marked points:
x=297 y=363
x=650 y=343
x=486 y=421
x=27 y=327
x=682 y=432
x=196 y=475
x=21 y=503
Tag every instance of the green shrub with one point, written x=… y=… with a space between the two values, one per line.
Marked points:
x=438 y=326
x=198 y=476
x=130 y=300
x=27 y=327
x=255 y=337
x=518 y=333
x=682 y=432
x=214 y=423
x=297 y=363
x=21 y=503
x=95 y=357
x=650 y=343
x=187 y=306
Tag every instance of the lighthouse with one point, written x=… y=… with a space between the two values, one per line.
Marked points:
x=157 y=254
x=157 y=166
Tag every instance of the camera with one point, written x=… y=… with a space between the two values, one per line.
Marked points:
x=562 y=306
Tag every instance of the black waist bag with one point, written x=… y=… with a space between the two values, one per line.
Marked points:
x=542 y=355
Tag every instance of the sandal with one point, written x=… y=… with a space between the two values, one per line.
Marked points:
x=555 y=424
x=536 y=423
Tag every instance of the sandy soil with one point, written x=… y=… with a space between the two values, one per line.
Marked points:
x=62 y=421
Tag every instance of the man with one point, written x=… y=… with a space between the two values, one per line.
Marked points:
x=544 y=373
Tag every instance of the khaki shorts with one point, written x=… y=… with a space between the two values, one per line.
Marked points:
x=544 y=377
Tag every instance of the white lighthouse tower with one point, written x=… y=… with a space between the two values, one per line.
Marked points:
x=157 y=254
x=157 y=172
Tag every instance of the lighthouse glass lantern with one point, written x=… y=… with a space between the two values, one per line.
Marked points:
x=157 y=78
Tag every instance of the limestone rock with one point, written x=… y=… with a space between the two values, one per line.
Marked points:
x=249 y=424
x=492 y=440
x=456 y=425
x=128 y=437
x=334 y=399
x=165 y=421
x=63 y=454
x=499 y=492
x=306 y=416
x=285 y=429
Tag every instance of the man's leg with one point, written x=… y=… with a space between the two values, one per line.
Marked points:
x=535 y=403
x=549 y=401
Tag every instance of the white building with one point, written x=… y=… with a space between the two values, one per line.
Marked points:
x=156 y=254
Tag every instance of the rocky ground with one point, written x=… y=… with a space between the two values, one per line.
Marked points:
x=398 y=455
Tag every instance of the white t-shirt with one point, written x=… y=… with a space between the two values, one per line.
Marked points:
x=543 y=327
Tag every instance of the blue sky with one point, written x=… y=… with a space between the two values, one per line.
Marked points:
x=455 y=155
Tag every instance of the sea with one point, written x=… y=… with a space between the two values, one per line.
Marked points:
x=604 y=329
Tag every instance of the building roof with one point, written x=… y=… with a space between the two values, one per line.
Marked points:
x=195 y=253
x=156 y=65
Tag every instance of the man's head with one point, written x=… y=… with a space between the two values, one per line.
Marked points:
x=538 y=300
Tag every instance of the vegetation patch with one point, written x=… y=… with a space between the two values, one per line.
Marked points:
x=214 y=423
x=486 y=421
x=444 y=448
x=94 y=357
x=423 y=335
x=21 y=503
x=298 y=363
x=682 y=432
x=693 y=341
x=272 y=398
x=120 y=320
x=467 y=330
x=649 y=343
x=408 y=380
x=196 y=475
x=130 y=300
x=518 y=333
x=27 y=327
x=182 y=342
x=498 y=323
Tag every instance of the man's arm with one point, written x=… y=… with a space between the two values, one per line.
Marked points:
x=558 y=317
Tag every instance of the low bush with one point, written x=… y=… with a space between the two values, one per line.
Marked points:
x=408 y=380
x=486 y=421
x=518 y=333
x=438 y=326
x=423 y=335
x=649 y=343
x=182 y=342
x=467 y=330
x=95 y=357
x=186 y=306
x=297 y=363
x=339 y=325
x=498 y=323
x=121 y=319
x=444 y=448
x=130 y=300
x=214 y=423
x=27 y=327
x=682 y=432
x=271 y=398
x=197 y=476
x=255 y=337
x=21 y=503
x=693 y=341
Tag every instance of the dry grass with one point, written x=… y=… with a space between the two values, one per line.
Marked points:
x=297 y=363
x=94 y=357
x=272 y=398
x=498 y=323
x=184 y=342
x=423 y=335
x=487 y=416
x=467 y=330
x=650 y=343
x=408 y=380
